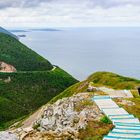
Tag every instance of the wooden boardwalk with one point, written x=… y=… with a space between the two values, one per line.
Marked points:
x=127 y=127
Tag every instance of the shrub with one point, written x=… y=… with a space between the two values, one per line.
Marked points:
x=106 y=120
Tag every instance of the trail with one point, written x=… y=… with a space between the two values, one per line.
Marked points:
x=127 y=127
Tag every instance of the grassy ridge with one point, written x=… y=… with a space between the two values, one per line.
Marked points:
x=113 y=80
x=28 y=91
x=108 y=79
x=22 y=58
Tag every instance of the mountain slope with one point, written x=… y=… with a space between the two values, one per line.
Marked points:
x=22 y=58
x=26 y=92
x=33 y=85
x=2 y=30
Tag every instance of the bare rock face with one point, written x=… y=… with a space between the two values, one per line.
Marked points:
x=68 y=115
x=6 y=67
x=7 y=136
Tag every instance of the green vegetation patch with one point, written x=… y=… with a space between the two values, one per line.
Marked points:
x=135 y=109
x=106 y=120
x=27 y=91
x=113 y=80
x=22 y=58
x=83 y=104
x=95 y=130
x=74 y=89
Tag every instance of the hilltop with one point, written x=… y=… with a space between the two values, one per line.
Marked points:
x=100 y=79
x=31 y=80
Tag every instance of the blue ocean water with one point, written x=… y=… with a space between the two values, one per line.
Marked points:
x=82 y=51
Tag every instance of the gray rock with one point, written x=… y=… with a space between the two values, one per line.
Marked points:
x=7 y=136
x=61 y=117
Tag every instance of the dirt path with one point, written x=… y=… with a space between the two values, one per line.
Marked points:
x=54 y=67
x=28 y=123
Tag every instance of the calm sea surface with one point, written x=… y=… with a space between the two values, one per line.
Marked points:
x=82 y=51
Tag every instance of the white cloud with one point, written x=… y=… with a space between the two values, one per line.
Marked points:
x=51 y=13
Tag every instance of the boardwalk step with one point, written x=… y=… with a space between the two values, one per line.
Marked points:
x=102 y=96
x=126 y=118
x=118 y=138
x=128 y=127
x=126 y=130
x=128 y=124
x=124 y=135
x=108 y=107
x=116 y=111
x=120 y=116
x=132 y=120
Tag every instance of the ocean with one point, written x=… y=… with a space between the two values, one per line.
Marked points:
x=83 y=51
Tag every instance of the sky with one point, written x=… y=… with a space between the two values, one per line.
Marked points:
x=69 y=13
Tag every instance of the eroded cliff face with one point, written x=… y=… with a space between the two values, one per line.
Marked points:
x=4 y=67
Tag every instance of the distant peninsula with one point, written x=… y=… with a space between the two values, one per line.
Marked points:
x=45 y=29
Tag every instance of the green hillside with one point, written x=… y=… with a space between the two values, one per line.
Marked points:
x=107 y=79
x=2 y=30
x=33 y=85
x=22 y=58
x=27 y=91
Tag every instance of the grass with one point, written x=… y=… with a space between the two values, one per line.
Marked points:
x=106 y=120
x=83 y=104
x=36 y=126
x=95 y=130
x=113 y=80
x=135 y=93
x=74 y=89
x=135 y=109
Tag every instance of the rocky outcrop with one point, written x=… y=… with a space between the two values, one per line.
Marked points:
x=8 y=136
x=66 y=117
x=6 y=67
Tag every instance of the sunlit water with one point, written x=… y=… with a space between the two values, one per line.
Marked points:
x=82 y=51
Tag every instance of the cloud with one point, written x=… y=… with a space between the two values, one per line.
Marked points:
x=90 y=3
x=21 y=3
x=113 y=3
x=44 y=13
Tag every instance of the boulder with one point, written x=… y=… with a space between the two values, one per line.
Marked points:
x=4 y=135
